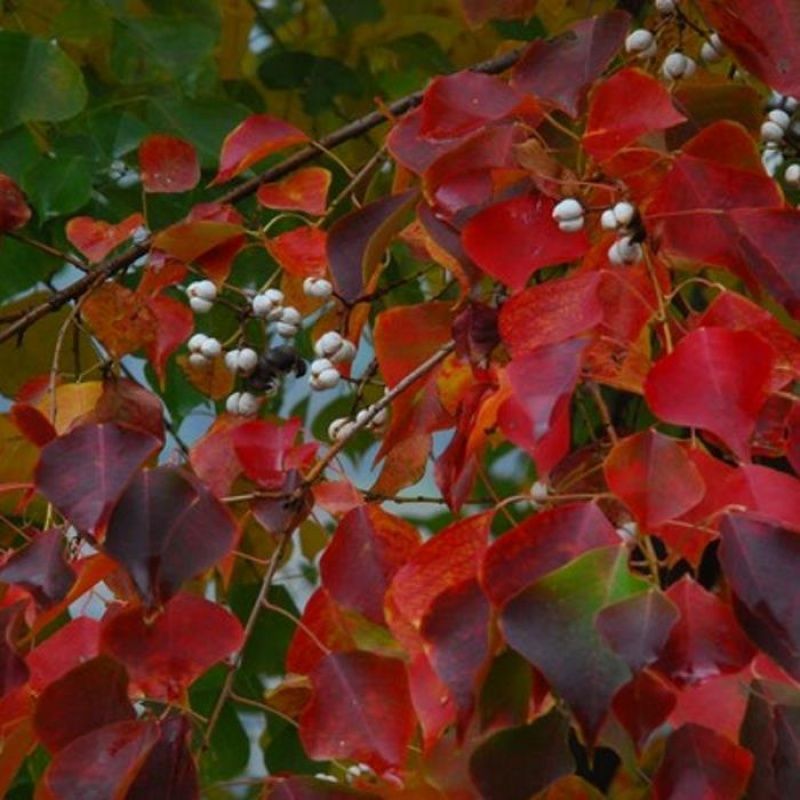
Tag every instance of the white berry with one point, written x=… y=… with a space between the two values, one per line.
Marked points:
x=780 y=118
x=248 y=360
x=326 y=379
x=211 y=348
x=380 y=418
x=243 y=404
x=318 y=366
x=196 y=342
x=200 y=306
x=328 y=344
x=678 y=65
x=771 y=131
x=624 y=212
x=571 y=225
x=713 y=50
x=772 y=159
x=340 y=428
x=567 y=209
x=203 y=289
x=198 y=360
x=286 y=329
x=641 y=43
x=539 y=491
x=608 y=221
x=290 y=315
x=261 y=305
x=275 y=296
x=625 y=251
x=317 y=287
x=666 y=6
x=346 y=353
x=792 y=175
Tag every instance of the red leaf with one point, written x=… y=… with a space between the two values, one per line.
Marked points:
x=701 y=763
x=479 y=11
x=67 y=648
x=165 y=529
x=642 y=706
x=41 y=568
x=213 y=457
x=561 y=71
x=411 y=150
x=91 y=695
x=512 y=239
x=540 y=544
x=551 y=312
x=359 y=710
x=707 y=641
x=168 y=164
x=357 y=241
x=536 y=416
x=457 y=104
x=384 y=543
x=716 y=380
x=160 y=272
x=475 y=332
x=103 y=763
x=166 y=654
x=615 y=121
x=32 y=424
x=652 y=474
x=502 y=767
x=764 y=43
x=169 y=773
x=175 y=323
x=759 y=558
x=301 y=252
x=84 y=472
x=14 y=211
x=637 y=628
x=305 y=190
x=337 y=497
x=96 y=238
x=251 y=141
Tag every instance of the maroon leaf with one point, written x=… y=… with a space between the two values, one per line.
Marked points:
x=40 y=567
x=357 y=241
x=165 y=655
x=34 y=425
x=637 y=628
x=128 y=403
x=517 y=763
x=169 y=773
x=715 y=379
x=360 y=710
x=540 y=544
x=707 y=640
x=14 y=211
x=103 y=763
x=652 y=474
x=84 y=472
x=165 y=529
x=282 y=515
x=642 y=706
x=168 y=164
x=759 y=558
x=786 y=761
x=701 y=763
x=475 y=332
x=560 y=71
x=383 y=543
x=13 y=669
x=512 y=239
x=91 y=695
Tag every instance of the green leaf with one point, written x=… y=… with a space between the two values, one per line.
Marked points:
x=348 y=14
x=18 y=152
x=21 y=267
x=59 y=186
x=116 y=134
x=38 y=81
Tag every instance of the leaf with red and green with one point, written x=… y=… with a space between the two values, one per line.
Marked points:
x=560 y=71
x=643 y=705
x=384 y=543
x=14 y=210
x=537 y=415
x=653 y=475
x=359 y=710
x=541 y=544
x=719 y=171
x=96 y=238
x=458 y=104
x=169 y=772
x=706 y=641
x=121 y=319
x=305 y=190
x=41 y=568
x=301 y=252
x=512 y=239
x=759 y=558
x=67 y=648
x=764 y=43
x=84 y=472
x=552 y=624
x=102 y=763
x=699 y=762
x=168 y=164
x=357 y=241
x=638 y=627
x=165 y=529
x=251 y=141
x=165 y=654
x=616 y=121
x=517 y=763
x=716 y=380
x=551 y=312
x=93 y=694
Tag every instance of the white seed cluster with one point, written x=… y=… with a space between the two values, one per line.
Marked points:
x=569 y=215
x=242 y=404
x=677 y=66
x=203 y=350
x=620 y=215
x=202 y=295
x=778 y=124
x=318 y=288
x=241 y=361
x=335 y=347
x=641 y=43
x=625 y=251
x=268 y=304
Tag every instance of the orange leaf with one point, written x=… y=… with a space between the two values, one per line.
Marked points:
x=121 y=319
x=300 y=252
x=168 y=164
x=96 y=238
x=305 y=190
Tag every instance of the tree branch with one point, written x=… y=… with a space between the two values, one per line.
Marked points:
x=310 y=153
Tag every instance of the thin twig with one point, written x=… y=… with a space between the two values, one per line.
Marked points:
x=50 y=250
